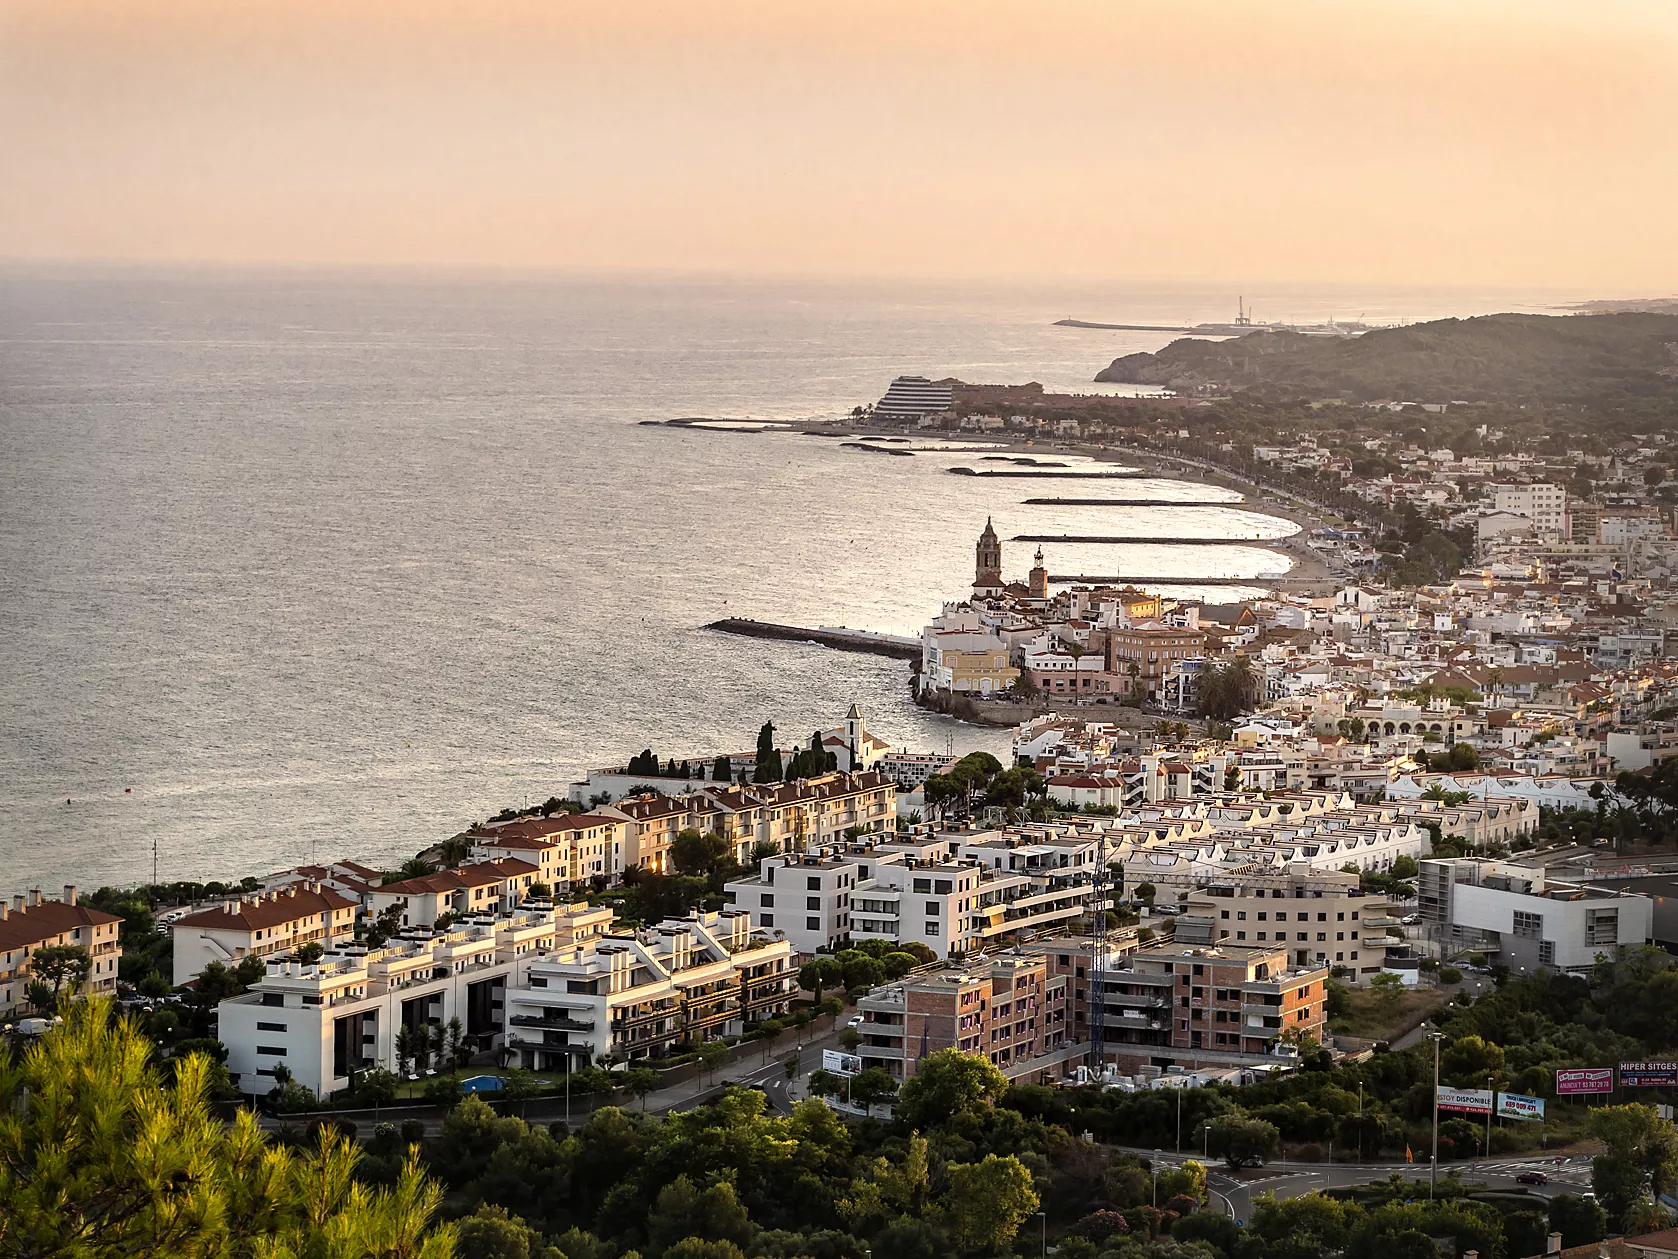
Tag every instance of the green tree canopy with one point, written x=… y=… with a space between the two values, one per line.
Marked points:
x=987 y=1202
x=100 y=1158
x=949 y=1083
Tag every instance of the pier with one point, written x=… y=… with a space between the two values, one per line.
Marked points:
x=1115 y=475
x=1135 y=502
x=1128 y=538
x=840 y=637
x=1297 y=583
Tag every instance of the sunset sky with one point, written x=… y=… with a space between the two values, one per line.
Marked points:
x=1428 y=141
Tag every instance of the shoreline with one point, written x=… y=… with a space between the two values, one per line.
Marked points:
x=1307 y=568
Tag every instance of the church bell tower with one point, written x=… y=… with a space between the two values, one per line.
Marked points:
x=987 y=578
x=1038 y=584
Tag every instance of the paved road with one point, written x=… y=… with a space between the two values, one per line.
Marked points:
x=1234 y=1194
x=752 y=1067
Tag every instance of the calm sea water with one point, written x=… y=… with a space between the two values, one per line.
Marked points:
x=298 y=565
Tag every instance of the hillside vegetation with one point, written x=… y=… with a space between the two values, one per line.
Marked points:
x=1526 y=359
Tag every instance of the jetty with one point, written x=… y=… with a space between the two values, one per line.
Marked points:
x=1082 y=579
x=839 y=637
x=1130 y=538
x=1116 y=474
x=1135 y=502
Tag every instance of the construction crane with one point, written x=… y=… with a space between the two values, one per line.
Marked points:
x=1098 y=965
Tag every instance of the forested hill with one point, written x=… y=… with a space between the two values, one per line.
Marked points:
x=1579 y=359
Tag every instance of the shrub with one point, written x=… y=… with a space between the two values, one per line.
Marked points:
x=1098 y=1226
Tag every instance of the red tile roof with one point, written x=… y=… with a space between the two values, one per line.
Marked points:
x=287 y=905
x=36 y=924
x=478 y=874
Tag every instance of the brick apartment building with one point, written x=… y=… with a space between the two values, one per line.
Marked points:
x=1154 y=649
x=1187 y=1005
x=1008 y=1008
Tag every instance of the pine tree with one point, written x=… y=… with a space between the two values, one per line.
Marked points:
x=99 y=1159
x=721 y=770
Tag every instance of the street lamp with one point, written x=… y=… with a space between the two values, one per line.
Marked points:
x=1153 y=1169
x=1043 y=1218
x=1433 y=1169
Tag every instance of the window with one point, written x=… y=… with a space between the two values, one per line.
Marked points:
x=1224 y=914
x=1547 y=952
x=270 y=1027
x=273 y=998
x=275 y=1051
x=1529 y=925
x=931 y=908
x=1303 y=935
x=1261 y=915
x=923 y=885
x=813 y=883
x=1322 y=917
x=812 y=924
x=1322 y=935
x=942 y=887
x=1280 y=935
x=812 y=902
x=1240 y=935
x=1354 y=915
x=1241 y=916
x=932 y=930
x=768 y=920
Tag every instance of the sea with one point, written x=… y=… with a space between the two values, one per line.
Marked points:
x=299 y=565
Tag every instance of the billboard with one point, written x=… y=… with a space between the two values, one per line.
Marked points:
x=1648 y=1074
x=1516 y=1106
x=841 y=1064
x=1576 y=1080
x=1475 y=1101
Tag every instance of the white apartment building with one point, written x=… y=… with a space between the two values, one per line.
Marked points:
x=1545 y=505
x=636 y=995
x=1529 y=921
x=953 y=893
x=553 y=984
x=261 y=925
x=328 y=1020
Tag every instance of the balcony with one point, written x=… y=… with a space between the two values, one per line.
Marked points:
x=557 y=1024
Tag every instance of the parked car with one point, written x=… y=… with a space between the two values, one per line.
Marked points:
x=1532 y=1178
x=1410 y=920
x=854 y=1021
